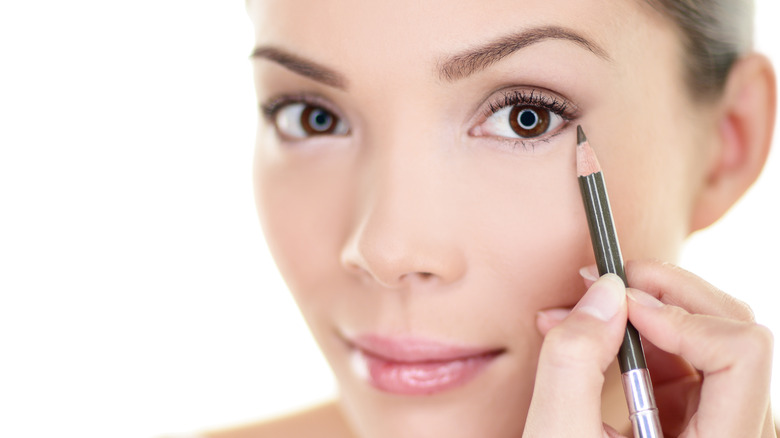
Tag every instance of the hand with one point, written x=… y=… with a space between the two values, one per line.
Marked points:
x=710 y=363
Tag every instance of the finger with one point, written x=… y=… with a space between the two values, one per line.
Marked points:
x=610 y=432
x=589 y=274
x=734 y=357
x=676 y=384
x=547 y=319
x=574 y=356
x=674 y=285
x=666 y=367
x=677 y=402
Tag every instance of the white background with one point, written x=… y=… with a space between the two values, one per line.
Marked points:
x=136 y=294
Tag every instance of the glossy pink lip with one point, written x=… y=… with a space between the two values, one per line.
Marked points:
x=412 y=366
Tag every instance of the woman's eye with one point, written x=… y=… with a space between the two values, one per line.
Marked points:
x=302 y=120
x=521 y=121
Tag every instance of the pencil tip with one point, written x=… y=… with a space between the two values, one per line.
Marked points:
x=581 y=135
x=587 y=163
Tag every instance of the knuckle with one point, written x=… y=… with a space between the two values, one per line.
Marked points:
x=755 y=341
x=735 y=307
x=742 y=310
x=680 y=317
x=654 y=261
x=667 y=265
x=762 y=337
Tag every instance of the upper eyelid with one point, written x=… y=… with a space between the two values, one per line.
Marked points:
x=271 y=106
x=569 y=111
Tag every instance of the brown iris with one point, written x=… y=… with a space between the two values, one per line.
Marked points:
x=317 y=120
x=529 y=121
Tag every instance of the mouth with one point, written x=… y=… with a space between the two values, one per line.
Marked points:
x=413 y=366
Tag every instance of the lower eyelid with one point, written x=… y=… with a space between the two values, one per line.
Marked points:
x=547 y=140
x=529 y=145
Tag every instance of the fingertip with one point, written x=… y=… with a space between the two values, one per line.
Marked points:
x=546 y=320
x=643 y=299
x=589 y=273
x=615 y=279
x=604 y=299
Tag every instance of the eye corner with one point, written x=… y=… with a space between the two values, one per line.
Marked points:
x=268 y=110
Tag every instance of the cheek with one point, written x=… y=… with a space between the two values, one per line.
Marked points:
x=304 y=212
x=649 y=186
x=531 y=235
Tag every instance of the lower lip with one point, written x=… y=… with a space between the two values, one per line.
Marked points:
x=418 y=378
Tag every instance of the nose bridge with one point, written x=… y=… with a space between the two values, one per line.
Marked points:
x=406 y=229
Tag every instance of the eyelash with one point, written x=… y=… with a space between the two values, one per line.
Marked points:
x=270 y=108
x=531 y=97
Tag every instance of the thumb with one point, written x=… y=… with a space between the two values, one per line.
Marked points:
x=574 y=356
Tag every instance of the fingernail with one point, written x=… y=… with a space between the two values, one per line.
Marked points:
x=604 y=299
x=589 y=272
x=556 y=315
x=643 y=298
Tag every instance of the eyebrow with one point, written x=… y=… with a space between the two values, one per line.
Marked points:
x=461 y=65
x=310 y=69
x=453 y=68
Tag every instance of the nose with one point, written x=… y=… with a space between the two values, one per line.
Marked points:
x=407 y=230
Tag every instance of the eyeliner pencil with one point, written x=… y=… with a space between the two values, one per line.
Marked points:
x=631 y=357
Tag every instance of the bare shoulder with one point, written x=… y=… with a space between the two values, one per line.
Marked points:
x=325 y=421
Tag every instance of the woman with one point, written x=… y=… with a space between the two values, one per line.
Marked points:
x=415 y=181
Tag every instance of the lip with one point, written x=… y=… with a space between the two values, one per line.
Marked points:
x=414 y=366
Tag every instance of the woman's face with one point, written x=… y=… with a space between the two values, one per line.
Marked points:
x=415 y=178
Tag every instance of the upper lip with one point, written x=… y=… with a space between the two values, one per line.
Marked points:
x=413 y=349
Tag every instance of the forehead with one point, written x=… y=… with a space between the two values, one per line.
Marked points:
x=387 y=34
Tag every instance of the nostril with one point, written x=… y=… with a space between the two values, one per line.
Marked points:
x=419 y=276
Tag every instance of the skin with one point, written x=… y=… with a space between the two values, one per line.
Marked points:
x=419 y=222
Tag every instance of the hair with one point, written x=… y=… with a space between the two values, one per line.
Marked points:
x=715 y=34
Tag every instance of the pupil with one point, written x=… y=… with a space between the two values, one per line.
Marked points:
x=528 y=119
